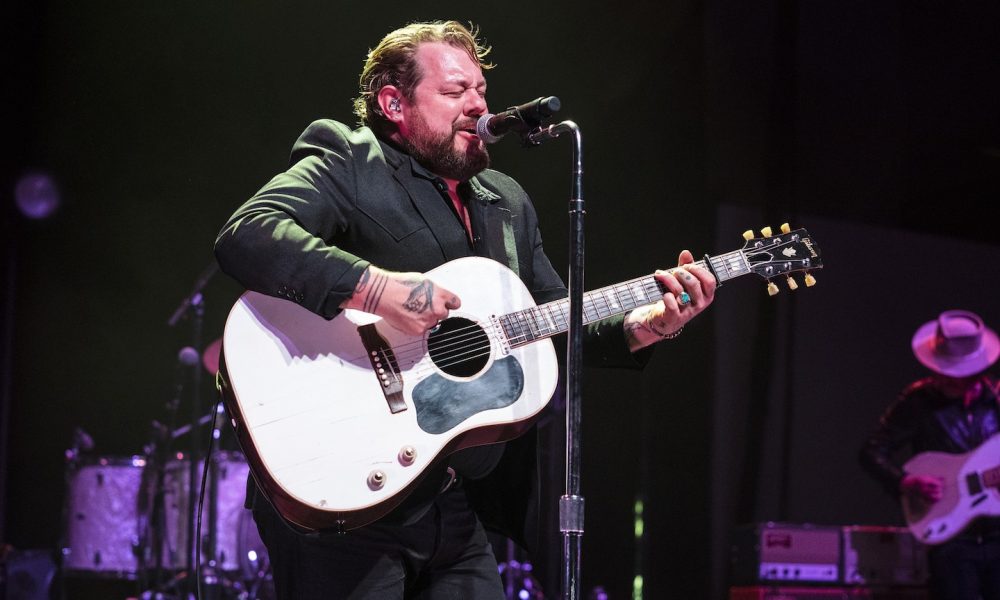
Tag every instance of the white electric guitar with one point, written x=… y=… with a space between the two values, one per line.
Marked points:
x=970 y=490
x=339 y=418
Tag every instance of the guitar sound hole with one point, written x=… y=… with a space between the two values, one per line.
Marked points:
x=459 y=347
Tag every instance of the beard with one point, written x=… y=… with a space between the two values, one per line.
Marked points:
x=437 y=152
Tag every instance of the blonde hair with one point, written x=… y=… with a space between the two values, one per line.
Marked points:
x=393 y=62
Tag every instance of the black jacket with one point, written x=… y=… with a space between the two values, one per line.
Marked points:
x=923 y=420
x=349 y=200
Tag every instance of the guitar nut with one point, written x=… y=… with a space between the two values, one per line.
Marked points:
x=376 y=480
x=407 y=454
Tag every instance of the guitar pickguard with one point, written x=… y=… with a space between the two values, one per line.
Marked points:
x=443 y=403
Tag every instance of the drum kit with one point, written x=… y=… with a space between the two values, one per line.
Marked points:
x=129 y=518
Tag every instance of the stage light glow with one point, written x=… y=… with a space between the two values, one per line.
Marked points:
x=37 y=195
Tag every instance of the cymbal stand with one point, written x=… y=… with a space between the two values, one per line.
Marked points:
x=194 y=304
x=154 y=536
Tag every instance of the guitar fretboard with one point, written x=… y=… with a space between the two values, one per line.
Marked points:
x=526 y=326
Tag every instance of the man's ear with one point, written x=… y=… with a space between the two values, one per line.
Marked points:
x=390 y=100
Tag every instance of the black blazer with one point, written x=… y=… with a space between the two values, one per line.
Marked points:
x=349 y=200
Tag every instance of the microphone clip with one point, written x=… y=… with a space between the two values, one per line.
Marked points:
x=525 y=120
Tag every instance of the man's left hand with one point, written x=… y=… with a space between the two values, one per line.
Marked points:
x=690 y=289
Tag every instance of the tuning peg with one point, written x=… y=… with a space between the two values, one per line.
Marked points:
x=772 y=290
x=766 y=232
x=785 y=228
x=792 y=284
x=748 y=235
x=810 y=280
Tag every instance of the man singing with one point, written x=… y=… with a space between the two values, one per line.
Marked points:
x=355 y=222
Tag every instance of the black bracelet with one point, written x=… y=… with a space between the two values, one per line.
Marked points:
x=665 y=336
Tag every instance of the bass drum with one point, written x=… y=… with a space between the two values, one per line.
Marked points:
x=101 y=517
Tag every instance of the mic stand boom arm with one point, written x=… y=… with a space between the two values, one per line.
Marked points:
x=571 y=503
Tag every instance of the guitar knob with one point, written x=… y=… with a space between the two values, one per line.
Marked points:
x=810 y=280
x=407 y=454
x=766 y=232
x=376 y=480
x=792 y=284
x=772 y=290
x=748 y=235
x=785 y=228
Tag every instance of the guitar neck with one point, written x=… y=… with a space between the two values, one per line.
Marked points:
x=546 y=320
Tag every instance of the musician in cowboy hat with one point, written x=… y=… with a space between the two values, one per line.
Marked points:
x=954 y=409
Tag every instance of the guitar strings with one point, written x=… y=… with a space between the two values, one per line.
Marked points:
x=473 y=342
x=469 y=342
x=539 y=314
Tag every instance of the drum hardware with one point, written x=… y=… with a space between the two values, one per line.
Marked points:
x=517 y=577
x=192 y=309
x=82 y=442
x=126 y=518
x=133 y=518
x=228 y=536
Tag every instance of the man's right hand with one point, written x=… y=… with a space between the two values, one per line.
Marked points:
x=410 y=302
x=927 y=487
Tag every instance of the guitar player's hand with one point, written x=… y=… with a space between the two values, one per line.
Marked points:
x=925 y=486
x=662 y=320
x=410 y=302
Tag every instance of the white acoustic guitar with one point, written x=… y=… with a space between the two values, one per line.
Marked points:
x=970 y=490
x=339 y=418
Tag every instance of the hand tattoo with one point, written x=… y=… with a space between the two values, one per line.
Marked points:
x=374 y=292
x=420 y=297
x=363 y=281
x=650 y=323
x=644 y=321
x=631 y=327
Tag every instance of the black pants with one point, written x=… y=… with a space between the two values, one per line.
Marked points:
x=966 y=569
x=444 y=555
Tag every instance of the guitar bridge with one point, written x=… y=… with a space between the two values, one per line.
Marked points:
x=384 y=366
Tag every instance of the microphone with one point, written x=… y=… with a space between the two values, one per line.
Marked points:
x=82 y=440
x=188 y=356
x=523 y=118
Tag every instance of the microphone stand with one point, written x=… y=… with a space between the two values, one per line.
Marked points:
x=571 y=503
x=198 y=304
x=195 y=302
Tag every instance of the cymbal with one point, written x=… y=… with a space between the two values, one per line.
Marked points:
x=210 y=356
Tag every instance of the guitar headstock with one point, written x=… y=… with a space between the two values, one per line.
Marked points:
x=789 y=252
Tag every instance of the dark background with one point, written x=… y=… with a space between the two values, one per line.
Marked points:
x=874 y=125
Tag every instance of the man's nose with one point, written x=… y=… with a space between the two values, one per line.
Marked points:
x=476 y=105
